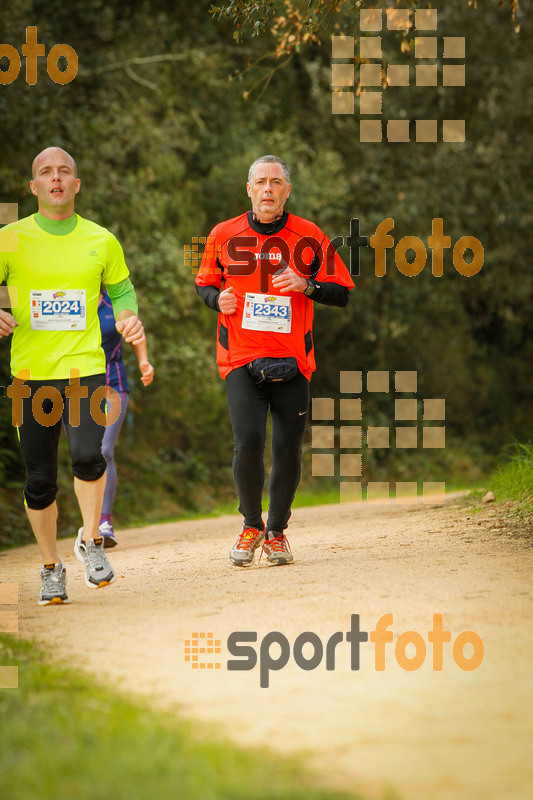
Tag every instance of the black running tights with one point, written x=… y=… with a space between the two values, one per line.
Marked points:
x=248 y=406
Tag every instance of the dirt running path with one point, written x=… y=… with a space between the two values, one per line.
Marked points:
x=449 y=735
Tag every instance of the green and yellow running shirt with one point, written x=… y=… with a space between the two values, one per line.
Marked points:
x=54 y=270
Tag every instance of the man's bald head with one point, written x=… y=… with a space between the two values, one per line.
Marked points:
x=53 y=152
x=55 y=183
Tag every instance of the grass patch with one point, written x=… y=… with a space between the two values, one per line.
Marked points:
x=513 y=481
x=62 y=736
x=325 y=495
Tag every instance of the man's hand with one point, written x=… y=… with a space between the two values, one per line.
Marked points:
x=131 y=329
x=147 y=372
x=7 y=323
x=227 y=302
x=289 y=281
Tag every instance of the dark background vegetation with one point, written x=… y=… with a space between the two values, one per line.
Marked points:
x=163 y=147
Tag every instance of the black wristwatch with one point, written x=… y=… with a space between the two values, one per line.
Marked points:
x=311 y=286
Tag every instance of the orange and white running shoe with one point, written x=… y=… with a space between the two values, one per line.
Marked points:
x=277 y=550
x=242 y=554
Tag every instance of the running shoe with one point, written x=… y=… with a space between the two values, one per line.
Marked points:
x=108 y=534
x=53 y=585
x=242 y=554
x=98 y=570
x=277 y=550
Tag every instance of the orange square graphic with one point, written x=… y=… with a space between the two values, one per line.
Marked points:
x=370 y=19
x=351 y=436
x=435 y=409
x=351 y=492
x=434 y=437
x=351 y=381
x=377 y=437
x=342 y=47
x=378 y=491
x=9 y=677
x=370 y=103
x=406 y=492
x=426 y=74
x=370 y=130
x=8 y=241
x=426 y=47
x=9 y=621
x=454 y=47
x=406 y=437
x=210 y=646
x=377 y=381
x=405 y=409
x=342 y=74
x=351 y=464
x=9 y=296
x=453 y=75
x=322 y=464
x=434 y=492
x=9 y=212
x=323 y=408
x=398 y=75
x=9 y=593
x=350 y=409
x=370 y=74
x=398 y=19
x=370 y=47
x=453 y=130
x=426 y=20
x=323 y=436
x=398 y=130
x=342 y=103
x=426 y=130
x=406 y=381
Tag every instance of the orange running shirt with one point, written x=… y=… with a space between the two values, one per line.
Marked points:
x=237 y=255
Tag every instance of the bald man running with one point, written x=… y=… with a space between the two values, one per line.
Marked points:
x=54 y=265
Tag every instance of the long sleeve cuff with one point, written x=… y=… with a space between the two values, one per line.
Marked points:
x=122 y=296
x=209 y=295
x=330 y=294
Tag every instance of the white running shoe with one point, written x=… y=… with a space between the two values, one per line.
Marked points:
x=53 y=585
x=98 y=570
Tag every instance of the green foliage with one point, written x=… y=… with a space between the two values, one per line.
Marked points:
x=299 y=23
x=163 y=140
x=514 y=479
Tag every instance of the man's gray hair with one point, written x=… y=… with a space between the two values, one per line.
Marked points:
x=270 y=160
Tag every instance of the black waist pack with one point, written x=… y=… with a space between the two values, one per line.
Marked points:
x=269 y=370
